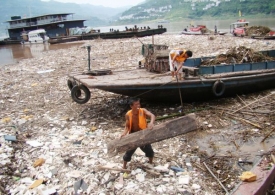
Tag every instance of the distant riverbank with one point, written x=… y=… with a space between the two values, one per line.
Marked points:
x=37 y=109
x=12 y=53
x=179 y=24
x=221 y=18
x=176 y=27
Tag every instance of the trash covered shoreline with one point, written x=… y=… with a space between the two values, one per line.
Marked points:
x=52 y=145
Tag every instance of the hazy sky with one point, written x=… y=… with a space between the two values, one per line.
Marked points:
x=106 y=3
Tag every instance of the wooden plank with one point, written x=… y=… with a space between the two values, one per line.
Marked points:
x=189 y=68
x=241 y=73
x=160 y=132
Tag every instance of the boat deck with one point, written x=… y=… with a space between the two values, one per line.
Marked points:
x=122 y=34
x=263 y=37
x=124 y=77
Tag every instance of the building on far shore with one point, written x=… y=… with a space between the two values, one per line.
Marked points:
x=54 y=24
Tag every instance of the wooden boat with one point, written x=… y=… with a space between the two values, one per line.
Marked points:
x=200 y=82
x=9 y=41
x=266 y=37
x=109 y=35
x=193 y=33
x=220 y=33
x=265 y=177
x=62 y=39
x=200 y=30
x=124 y=34
x=200 y=33
x=197 y=30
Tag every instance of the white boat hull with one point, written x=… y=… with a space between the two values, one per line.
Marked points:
x=193 y=33
x=199 y=33
x=35 y=42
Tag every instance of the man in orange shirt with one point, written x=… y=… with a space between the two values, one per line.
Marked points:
x=177 y=58
x=136 y=121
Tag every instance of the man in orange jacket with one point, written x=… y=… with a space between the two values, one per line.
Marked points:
x=136 y=121
x=177 y=57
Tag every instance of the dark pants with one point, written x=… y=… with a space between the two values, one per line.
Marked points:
x=147 y=149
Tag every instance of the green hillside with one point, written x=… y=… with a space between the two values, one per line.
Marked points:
x=96 y=15
x=174 y=9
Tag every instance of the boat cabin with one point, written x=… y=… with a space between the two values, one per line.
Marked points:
x=55 y=24
x=239 y=27
x=197 y=28
x=34 y=36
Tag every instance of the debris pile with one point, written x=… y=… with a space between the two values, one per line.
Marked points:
x=51 y=145
x=237 y=55
x=257 y=30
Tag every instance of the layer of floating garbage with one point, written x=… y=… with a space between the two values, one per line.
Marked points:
x=237 y=55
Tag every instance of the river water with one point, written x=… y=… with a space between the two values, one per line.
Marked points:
x=11 y=54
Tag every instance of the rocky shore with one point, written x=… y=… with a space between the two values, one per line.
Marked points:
x=52 y=145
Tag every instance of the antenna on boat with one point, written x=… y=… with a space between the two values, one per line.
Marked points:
x=89 y=59
x=30 y=13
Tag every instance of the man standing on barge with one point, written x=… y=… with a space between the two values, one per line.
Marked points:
x=177 y=57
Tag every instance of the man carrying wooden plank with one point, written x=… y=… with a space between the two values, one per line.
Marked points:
x=136 y=121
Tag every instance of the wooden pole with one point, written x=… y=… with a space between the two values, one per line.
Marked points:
x=268 y=135
x=252 y=103
x=215 y=178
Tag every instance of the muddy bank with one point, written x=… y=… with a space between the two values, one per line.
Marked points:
x=37 y=109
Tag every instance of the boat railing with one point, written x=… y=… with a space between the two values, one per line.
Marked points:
x=23 y=24
x=217 y=69
x=51 y=20
x=226 y=68
x=18 y=25
x=31 y=23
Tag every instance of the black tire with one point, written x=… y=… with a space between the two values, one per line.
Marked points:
x=80 y=94
x=71 y=83
x=218 y=88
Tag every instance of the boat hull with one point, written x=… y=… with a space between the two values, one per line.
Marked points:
x=108 y=35
x=62 y=40
x=192 y=33
x=123 y=34
x=164 y=89
x=199 y=83
x=263 y=37
x=35 y=42
x=200 y=33
x=195 y=90
x=263 y=184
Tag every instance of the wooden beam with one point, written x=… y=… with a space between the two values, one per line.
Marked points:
x=160 y=132
x=240 y=73
x=191 y=69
